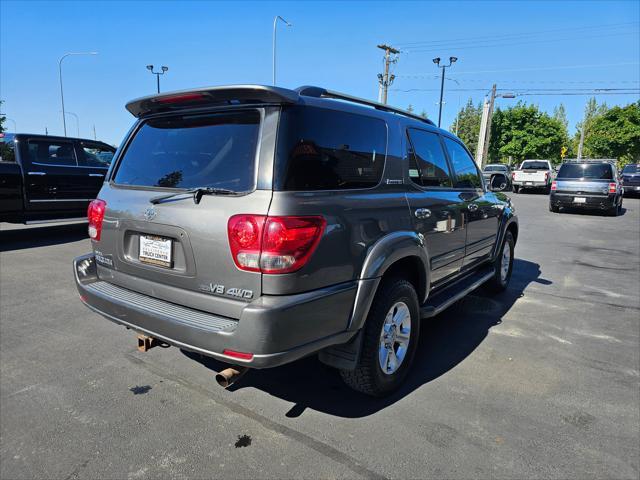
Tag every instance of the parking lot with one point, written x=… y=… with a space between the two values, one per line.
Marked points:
x=540 y=381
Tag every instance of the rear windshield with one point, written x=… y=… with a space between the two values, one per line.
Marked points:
x=216 y=150
x=535 y=166
x=320 y=149
x=495 y=168
x=631 y=169
x=600 y=171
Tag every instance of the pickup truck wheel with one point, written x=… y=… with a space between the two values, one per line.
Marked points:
x=390 y=339
x=503 y=265
x=553 y=208
x=516 y=189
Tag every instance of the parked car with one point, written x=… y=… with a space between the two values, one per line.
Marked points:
x=492 y=168
x=630 y=179
x=258 y=225
x=591 y=184
x=533 y=174
x=45 y=178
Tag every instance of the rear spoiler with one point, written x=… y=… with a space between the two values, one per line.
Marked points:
x=223 y=95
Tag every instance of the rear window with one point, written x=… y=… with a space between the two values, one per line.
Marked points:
x=535 y=166
x=213 y=150
x=495 y=168
x=629 y=169
x=321 y=149
x=600 y=171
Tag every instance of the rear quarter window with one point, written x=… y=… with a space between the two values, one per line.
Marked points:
x=189 y=151
x=321 y=149
x=595 y=171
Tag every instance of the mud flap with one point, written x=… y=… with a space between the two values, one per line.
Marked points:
x=344 y=356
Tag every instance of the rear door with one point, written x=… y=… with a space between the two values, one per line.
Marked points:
x=53 y=180
x=168 y=154
x=95 y=158
x=480 y=207
x=436 y=207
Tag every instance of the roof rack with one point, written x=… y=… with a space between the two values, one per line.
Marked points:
x=318 y=92
x=590 y=160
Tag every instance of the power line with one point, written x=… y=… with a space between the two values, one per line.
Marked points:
x=528 y=69
x=475 y=45
x=515 y=35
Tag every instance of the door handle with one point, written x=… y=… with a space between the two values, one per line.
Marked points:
x=422 y=213
x=96 y=175
x=36 y=173
x=472 y=207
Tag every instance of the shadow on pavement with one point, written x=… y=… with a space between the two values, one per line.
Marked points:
x=33 y=237
x=445 y=341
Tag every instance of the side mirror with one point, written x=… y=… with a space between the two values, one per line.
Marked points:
x=498 y=182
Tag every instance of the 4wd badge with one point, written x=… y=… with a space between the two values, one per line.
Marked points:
x=217 y=289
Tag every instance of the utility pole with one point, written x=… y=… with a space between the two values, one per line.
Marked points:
x=384 y=79
x=581 y=144
x=485 y=128
x=94 y=132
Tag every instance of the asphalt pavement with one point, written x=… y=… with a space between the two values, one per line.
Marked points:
x=541 y=381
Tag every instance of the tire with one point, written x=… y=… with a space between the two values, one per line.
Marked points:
x=553 y=209
x=516 y=189
x=395 y=295
x=547 y=190
x=500 y=280
x=614 y=211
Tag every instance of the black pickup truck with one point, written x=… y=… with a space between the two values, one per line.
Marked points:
x=45 y=178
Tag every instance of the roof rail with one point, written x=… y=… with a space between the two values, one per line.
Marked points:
x=590 y=160
x=318 y=92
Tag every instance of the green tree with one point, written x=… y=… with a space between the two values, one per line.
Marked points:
x=467 y=122
x=410 y=108
x=591 y=111
x=6 y=153
x=615 y=134
x=423 y=113
x=522 y=132
x=560 y=114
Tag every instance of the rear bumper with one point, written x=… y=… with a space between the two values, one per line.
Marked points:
x=275 y=329
x=631 y=188
x=567 y=200
x=529 y=184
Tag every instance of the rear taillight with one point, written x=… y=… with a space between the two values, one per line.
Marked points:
x=273 y=244
x=612 y=188
x=554 y=186
x=95 y=214
x=546 y=176
x=179 y=98
x=513 y=175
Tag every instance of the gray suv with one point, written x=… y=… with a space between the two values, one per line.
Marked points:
x=258 y=225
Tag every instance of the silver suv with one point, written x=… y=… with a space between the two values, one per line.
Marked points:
x=258 y=225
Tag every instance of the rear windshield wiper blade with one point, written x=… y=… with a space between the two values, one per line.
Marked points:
x=197 y=193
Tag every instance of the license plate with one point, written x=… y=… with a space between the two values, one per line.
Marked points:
x=528 y=183
x=579 y=200
x=156 y=250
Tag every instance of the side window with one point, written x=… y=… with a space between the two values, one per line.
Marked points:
x=95 y=155
x=465 y=168
x=427 y=164
x=322 y=149
x=52 y=153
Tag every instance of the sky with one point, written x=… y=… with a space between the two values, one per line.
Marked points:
x=561 y=49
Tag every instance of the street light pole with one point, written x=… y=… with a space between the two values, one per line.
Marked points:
x=64 y=120
x=275 y=24
x=162 y=71
x=436 y=60
x=77 y=121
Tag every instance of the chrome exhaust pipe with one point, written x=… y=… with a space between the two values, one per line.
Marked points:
x=229 y=376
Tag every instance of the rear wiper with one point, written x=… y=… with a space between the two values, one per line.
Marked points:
x=196 y=192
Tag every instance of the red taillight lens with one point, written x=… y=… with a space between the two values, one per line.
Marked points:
x=273 y=244
x=180 y=98
x=240 y=355
x=288 y=242
x=513 y=175
x=95 y=214
x=546 y=176
x=554 y=185
x=612 y=188
x=245 y=240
